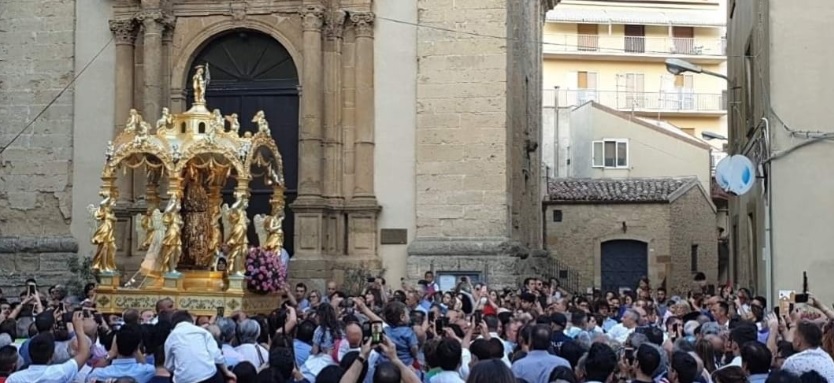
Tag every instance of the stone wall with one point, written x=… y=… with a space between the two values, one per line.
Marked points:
x=461 y=119
x=45 y=259
x=36 y=47
x=696 y=227
x=576 y=240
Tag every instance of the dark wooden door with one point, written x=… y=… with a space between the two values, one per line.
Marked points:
x=635 y=38
x=623 y=263
x=251 y=71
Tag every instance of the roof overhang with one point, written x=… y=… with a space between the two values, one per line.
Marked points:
x=684 y=18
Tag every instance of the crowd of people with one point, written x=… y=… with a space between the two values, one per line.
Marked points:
x=537 y=333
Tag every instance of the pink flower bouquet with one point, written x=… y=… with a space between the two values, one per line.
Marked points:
x=265 y=273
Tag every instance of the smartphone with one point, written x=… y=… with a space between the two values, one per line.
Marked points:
x=221 y=312
x=675 y=328
x=776 y=311
x=61 y=306
x=31 y=289
x=371 y=280
x=86 y=313
x=801 y=298
x=376 y=333
x=711 y=290
x=431 y=316
x=629 y=355
x=440 y=325
x=478 y=317
x=366 y=331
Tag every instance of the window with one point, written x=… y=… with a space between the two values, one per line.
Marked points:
x=635 y=38
x=693 y=258
x=586 y=82
x=557 y=216
x=610 y=154
x=587 y=37
x=634 y=88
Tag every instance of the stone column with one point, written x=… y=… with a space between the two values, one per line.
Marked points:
x=364 y=138
x=124 y=32
x=167 y=40
x=152 y=53
x=310 y=171
x=333 y=107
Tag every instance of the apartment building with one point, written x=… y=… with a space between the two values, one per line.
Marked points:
x=614 y=52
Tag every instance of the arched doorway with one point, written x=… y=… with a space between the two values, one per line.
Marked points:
x=251 y=71
x=623 y=263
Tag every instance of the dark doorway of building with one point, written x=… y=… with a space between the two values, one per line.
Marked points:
x=251 y=71
x=623 y=263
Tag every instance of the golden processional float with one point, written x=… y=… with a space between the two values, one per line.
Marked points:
x=191 y=156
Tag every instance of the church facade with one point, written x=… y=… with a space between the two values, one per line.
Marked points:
x=409 y=131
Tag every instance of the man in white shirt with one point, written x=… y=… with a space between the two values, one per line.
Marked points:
x=42 y=350
x=807 y=340
x=191 y=353
x=621 y=331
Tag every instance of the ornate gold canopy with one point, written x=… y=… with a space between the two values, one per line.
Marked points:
x=198 y=152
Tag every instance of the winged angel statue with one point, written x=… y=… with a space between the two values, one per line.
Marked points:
x=154 y=241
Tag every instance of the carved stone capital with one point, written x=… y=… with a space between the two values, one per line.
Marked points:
x=334 y=26
x=364 y=23
x=151 y=20
x=238 y=11
x=312 y=17
x=124 y=31
x=169 y=22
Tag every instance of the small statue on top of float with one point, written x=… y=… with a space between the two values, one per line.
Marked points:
x=165 y=122
x=104 y=238
x=260 y=120
x=172 y=241
x=133 y=121
x=234 y=124
x=198 y=83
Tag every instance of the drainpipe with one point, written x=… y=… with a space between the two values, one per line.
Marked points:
x=768 y=252
x=556 y=127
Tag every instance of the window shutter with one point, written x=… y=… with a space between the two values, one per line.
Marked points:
x=598 y=154
x=592 y=80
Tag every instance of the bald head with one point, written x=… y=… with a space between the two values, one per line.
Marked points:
x=353 y=334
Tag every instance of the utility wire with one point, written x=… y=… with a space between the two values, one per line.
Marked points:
x=54 y=99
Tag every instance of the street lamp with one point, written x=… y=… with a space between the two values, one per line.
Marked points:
x=678 y=66
x=712 y=136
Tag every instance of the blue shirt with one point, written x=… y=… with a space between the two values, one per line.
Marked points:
x=324 y=339
x=302 y=351
x=303 y=305
x=143 y=373
x=404 y=338
x=24 y=353
x=537 y=366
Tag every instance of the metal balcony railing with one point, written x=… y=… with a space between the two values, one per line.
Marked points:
x=680 y=100
x=630 y=45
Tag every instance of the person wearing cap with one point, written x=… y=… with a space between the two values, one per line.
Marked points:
x=558 y=324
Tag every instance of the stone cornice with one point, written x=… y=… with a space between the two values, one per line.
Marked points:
x=363 y=23
x=312 y=17
x=124 y=31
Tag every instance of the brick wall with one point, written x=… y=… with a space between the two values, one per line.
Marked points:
x=461 y=119
x=36 y=62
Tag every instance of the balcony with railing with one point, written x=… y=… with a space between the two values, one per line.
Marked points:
x=679 y=101
x=699 y=49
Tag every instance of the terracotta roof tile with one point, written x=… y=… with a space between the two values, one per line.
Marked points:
x=607 y=190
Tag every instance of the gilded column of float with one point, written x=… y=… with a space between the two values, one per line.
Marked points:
x=311 y=104
x=124 y=33
x=364 y=140
x=215 y=200
x=332 y=105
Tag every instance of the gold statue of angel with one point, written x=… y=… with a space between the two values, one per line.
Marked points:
x=237 y=242
x=270 y=232
x=145 y=229
x=155 y=237
x=172 y=241
x=104 y=238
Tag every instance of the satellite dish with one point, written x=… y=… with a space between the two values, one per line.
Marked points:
x=742 y=174
x=722 y=173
